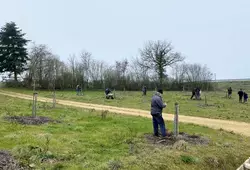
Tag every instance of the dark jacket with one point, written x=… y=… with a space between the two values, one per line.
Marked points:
x=240 y=93
x=107 y=91
x=78 y=88
x=193 y=91
x=245 y=95
x=157 y=105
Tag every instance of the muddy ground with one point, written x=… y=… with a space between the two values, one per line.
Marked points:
x=7 y=162
x=171 y=140
x=30 y=120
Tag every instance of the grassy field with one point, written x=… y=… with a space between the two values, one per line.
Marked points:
x=218 y=107
x=236 y=85
x=86 y=140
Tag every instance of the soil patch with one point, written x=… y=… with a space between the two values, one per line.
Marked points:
x=206 y=105
x=171 y=140
x=8 y=162
x=30 y=120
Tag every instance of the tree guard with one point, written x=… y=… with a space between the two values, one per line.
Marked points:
x=176 y=120
x=34 y=104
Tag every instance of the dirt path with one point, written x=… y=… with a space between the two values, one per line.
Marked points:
x=237 y=127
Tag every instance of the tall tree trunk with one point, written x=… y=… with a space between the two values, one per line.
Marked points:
x=40 y=71
x=161 y=76
x=15 y=76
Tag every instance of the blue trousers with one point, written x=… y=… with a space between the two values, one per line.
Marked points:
x=158 y=121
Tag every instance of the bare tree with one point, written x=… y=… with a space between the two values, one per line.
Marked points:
x=179 y=72
x=157 y=55
x=86 y=59
x=121 y=70
x=61 y=72
x=50 y=71
x=72 y=65
x=110 y=77
x=38 y=55
x=139 y=75
x=154 y=62
x=121 y=67
x=192 y=74
x=197 y=73
x=95 y=70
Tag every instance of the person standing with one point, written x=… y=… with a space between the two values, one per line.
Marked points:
x=77 y=90
x=144 y=90
x=193 y=93
x=240 y=93
x=229 y=92
x=245 y=96
x=157 y=106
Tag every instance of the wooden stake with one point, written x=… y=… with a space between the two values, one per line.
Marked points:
x=34 y=104
x=176 y=120
x=54 y=99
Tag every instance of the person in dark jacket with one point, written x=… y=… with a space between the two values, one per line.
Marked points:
x=144 y=90
x=198 y=93
x=107 y=91
x=109 y=94
x=229 y=92
x=193 y=93
x=156 y=111
x=240 y=93
x=78 y=89
x=245 y=96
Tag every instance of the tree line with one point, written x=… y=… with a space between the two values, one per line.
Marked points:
x=158 y=65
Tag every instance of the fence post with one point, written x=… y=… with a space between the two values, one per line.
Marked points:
x=176 y=120
x=205 y=100
x=34 y=85
x=34 y=104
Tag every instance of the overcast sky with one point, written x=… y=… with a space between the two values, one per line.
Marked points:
x=211 y=32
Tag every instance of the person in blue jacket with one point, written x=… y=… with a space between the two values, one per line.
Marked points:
x=144 y=90
x=245 y=95
x=107 y=91
x=108 y=94
x=157 y=106
x=78 y=89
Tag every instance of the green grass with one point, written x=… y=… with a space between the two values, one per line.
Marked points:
x=236 y=85
x=219 y=106
x=85 y=140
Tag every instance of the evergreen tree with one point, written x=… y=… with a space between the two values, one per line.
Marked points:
x=13 y=53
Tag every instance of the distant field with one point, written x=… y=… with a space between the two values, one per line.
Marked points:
x=236 y=85
x=219 y=106
x=85 y=140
